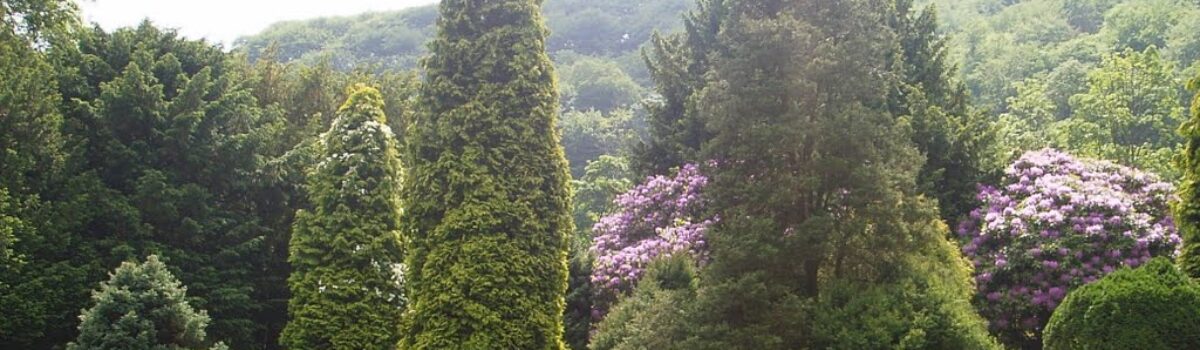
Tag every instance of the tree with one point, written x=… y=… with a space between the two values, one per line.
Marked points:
x=653 y=315
x=954 y=139
x=488 y=203
x=677 y=64
x=1054 y=224
x=815 y=184
x=142 y=307
x=1128 y=112
x=345 y=253
x=1151 y=307
x=603 y=180
x=1187 y=209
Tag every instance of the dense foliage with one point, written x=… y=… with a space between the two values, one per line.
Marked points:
x=142 y=307
x=1056 y=223
x=833 y=139
x=1151 y=307
x=664 y=216
x=488 y=211
x=1187 y=209
x=345 y=252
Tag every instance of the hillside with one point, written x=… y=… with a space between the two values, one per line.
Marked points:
x=614 y=29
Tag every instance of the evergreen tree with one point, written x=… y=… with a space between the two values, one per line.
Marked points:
x=1187 y=209
x=345 y=252
x=678 y=63
x=488 y=211
x=953 y=138
x=142 y=307
x=815 y=184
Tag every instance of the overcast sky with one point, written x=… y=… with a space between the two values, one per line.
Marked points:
x=225 y=20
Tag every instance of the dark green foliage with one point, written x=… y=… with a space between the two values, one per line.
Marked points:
x=1187 y=209
x=678 y=64
x=487 y=199
x=953 y=138
x=142 y=307
x=164 y=142
x=602 y=181
x=815 y=182
x=654 y=315
x=345 y=252
x=1152 y=307
x=587 y=136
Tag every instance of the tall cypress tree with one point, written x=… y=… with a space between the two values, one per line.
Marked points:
x=1187 y=210
x=345 y=252
x=487 y=197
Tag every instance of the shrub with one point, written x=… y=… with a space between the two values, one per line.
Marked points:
x=661 y=217
x=1152 y=307
x=1056 y=223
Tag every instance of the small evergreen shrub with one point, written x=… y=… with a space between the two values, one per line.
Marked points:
x=1152 y=307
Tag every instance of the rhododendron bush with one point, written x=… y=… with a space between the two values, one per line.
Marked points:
x=662 y=217
x=1058 y=222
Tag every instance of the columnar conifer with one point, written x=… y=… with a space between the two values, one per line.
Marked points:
x=1187 y=211
x=487 y=200
x=345 y=252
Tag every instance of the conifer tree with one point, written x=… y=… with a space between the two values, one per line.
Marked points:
x=345 y=252
x=142 y=307
x=1187 y=210
x=487 y=200
x=815 y=184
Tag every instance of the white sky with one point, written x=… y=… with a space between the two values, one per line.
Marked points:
x=225 y=20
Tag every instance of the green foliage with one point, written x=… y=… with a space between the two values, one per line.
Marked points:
x=1128 y=113
x=926 y=310
x=142 y=307
x=345 y=252
x=587 y=136
x=826 y=194
x=1187 y=209
x=954 y=139
x=596 y=28
x=678 y=63
x=1152 y=307
x=488 y=201
x=594 y=84
x=654 y=316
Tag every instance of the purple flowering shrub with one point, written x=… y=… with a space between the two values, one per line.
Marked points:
x=1058 y=222
x=661 y=217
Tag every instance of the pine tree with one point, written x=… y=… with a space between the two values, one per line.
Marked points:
x=345 y=252
x=678 y=63
x=815 y=184
x=1187 y=209
x=142 y=307
x=952 y=137
x=487 y=198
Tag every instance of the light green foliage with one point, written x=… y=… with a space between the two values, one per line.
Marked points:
x=345 y=252
x=1128 y=112
x=927 y=309
x=1152 y=307
x=487 y=197
x=142 y=307
x=586 y=136
x=654 y=315
x=1187 y=209
x=593 y=84
x=1142 y=24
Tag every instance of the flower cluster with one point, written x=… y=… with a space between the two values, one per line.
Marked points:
x=661 y=217
x=1057 y=223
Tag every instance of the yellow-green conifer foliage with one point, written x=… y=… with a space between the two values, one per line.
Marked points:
x=487 y=199
x=345 y=252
